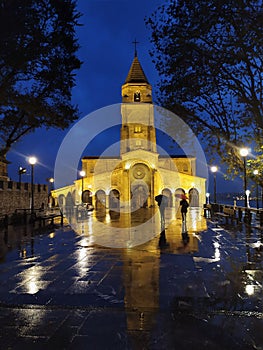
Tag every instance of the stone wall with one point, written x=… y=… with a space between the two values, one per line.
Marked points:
x=15 y=196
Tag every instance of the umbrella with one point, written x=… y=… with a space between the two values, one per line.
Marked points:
x=181 y=196
x=161 y=199
x=184 y=196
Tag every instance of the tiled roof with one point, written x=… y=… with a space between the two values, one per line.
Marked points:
x=136 y=73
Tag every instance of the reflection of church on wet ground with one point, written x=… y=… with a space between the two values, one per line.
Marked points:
x=139 y=173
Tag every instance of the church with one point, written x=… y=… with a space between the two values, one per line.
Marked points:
x=132 y=179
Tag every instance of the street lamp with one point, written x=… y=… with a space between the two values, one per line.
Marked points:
x=82 y=173
x=32 y=161
x=214 y=170
x=51 y=181
x=244 y=152
x=21 y=171
x=256 y=172
x=50 y=188
x=247 y=195
x=207 y=198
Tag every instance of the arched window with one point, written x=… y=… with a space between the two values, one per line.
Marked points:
x=137 y=96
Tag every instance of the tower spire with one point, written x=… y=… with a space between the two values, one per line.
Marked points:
x=135 y=42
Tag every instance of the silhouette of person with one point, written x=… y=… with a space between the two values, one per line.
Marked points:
x=162 y=203
x=162 y=239
x=185 y=238
x=184 y=206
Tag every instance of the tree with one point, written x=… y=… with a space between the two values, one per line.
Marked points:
x=210 y=56
x=37 y=63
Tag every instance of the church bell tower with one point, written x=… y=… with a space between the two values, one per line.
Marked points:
x=138 y=131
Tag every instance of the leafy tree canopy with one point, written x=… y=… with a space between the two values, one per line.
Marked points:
x=37 y=63
x=209 y=55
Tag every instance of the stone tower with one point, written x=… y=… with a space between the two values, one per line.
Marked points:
x=138 y=131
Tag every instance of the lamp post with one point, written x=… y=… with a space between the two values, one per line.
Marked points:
x=21 y=171
x=50 y=181
x=244 y=152
x=255 y=172
x=50 y=188
x=32 y=161
x=82 y=173
x=247 y=195
x=207 y=198
x=214 y=170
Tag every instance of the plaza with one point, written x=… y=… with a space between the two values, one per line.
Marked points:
x=61 y=290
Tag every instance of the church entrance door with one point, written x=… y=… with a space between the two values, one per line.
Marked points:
x=139 y=195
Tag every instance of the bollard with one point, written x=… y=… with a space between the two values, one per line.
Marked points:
x=61 y=218
x=24 y=217
x=261 y=218
x=249 y=217
x=6 y=220
x=205 y=211
x=239 y=214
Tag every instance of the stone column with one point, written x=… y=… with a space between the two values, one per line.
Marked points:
x=107 y=200
x=126 y=189
x=153 y=187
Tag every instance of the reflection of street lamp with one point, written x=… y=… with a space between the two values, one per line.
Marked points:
x=214 y=170
x=32 y=161
x=244 y=152
x=82 y=173
x=255 y=172
x=247 y=195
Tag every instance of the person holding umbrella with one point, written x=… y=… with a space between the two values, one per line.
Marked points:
x=162 y=204
x=184 y=206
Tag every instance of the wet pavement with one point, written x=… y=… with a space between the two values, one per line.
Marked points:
x=201 y=290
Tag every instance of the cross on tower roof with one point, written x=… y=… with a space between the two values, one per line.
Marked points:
x=135 y=42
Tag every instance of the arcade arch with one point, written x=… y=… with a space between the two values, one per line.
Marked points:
x=114 y=200
x=178 y=194
x=87 y=197
x=100 y=200
x=193 y=197
x=167 y=192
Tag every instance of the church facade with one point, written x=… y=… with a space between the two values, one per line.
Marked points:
x=139 y=173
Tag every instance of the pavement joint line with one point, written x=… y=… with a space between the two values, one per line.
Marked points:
x=182 y=311
x=60 y=307
x=242 y=313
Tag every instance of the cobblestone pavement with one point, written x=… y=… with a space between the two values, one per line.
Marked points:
x=202 y=290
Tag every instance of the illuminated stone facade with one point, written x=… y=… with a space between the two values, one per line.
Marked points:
x=139 y=173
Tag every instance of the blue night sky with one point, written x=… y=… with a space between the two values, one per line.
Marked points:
x=106 y=36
